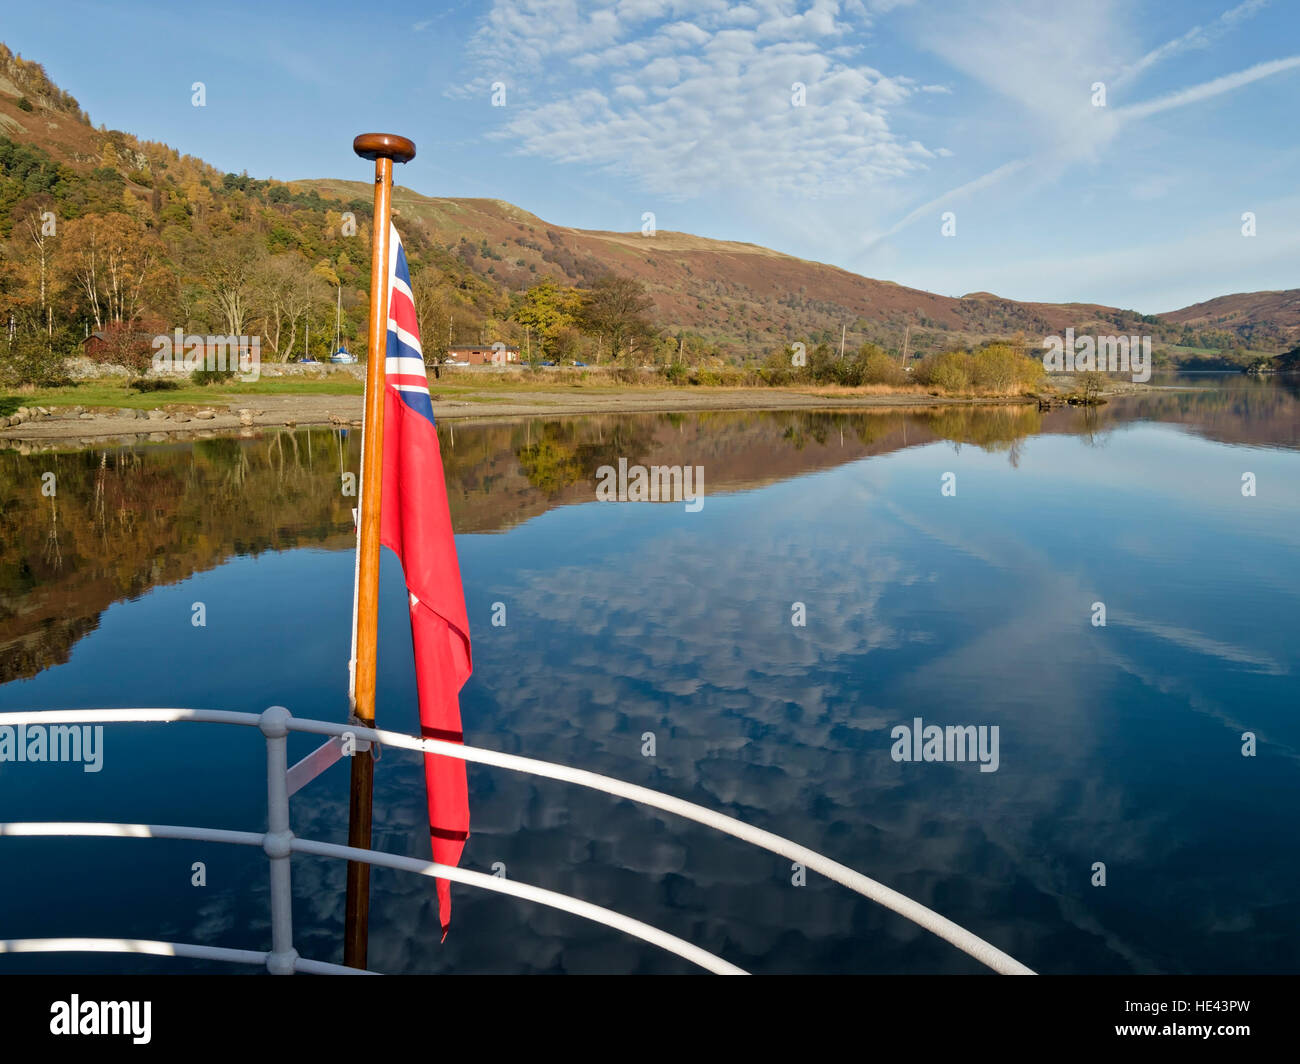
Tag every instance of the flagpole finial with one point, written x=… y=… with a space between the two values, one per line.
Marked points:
x=384 y=146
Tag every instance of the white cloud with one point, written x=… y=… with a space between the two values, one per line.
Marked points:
x=693 y=98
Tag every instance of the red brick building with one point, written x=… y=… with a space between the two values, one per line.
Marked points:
x=482 y=354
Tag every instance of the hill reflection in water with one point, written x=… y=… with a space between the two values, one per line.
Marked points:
x=124 y=520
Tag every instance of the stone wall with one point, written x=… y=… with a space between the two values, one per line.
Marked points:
x=80 y=369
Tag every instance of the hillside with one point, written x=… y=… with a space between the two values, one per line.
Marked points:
x=1263 y=320
x=743 y=296
x=190 y=228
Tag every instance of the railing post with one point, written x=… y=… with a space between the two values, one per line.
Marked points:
x=279 y=839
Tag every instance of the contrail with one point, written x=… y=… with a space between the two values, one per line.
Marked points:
x=991 y=178
x=1197 y=36
x=1181 y=98
x=1210 y=88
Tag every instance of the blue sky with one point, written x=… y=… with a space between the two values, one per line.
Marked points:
x=684 y=108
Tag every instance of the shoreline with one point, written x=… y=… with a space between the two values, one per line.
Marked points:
x=247 y=414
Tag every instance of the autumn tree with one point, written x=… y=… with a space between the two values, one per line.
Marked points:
x=31 y=284
x=615 y=309
x=547 y=309
x=126 y=344
x=114 y=263
x=434 y=312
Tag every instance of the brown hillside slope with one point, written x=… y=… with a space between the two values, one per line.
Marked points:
x=738 y=293
x=1244 y=310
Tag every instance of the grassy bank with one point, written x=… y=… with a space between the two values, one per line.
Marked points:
x=991 y=375
x=111 y=392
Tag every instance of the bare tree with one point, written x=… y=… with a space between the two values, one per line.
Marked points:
x=434 y=314
x=33 y=226
x=617 y=307
x=286 y=291
x=227 y=269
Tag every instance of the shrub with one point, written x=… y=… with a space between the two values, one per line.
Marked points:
x=950 y=371
x=34 y=360
x=880 y=368
x=844 y=371
x=1091 y=385
x=212 y=376
x=824 y=363
x=1032 y=373
x=732 y=377
x=153 y=384
x=126 y=345
x=778 y=368
x=24 y=104
x=997 y=369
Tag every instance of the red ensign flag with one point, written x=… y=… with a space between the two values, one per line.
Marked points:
x=416 y=526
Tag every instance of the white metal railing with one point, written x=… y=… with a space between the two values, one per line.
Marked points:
x=272 y=846
x=279 y=843
x=166 y=949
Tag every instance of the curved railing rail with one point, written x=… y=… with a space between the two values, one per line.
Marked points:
x=550 y=898
x=154 y=948
x=278 y=842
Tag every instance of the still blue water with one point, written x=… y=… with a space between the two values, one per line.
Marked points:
x=1119 y=744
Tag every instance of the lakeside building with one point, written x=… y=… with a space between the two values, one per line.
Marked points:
x=482 y=354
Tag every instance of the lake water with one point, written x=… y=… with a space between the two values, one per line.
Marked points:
x=1120 y=744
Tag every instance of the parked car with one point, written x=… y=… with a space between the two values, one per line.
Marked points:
x=455 y=362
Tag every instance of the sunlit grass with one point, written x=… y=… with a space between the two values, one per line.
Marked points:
x=479 y=387
x=115 y=393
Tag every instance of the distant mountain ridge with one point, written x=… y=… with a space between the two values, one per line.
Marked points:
x=744 y=292
x=1246 y=312
x=741 y=297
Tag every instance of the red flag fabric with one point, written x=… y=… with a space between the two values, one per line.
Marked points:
x=416 y=525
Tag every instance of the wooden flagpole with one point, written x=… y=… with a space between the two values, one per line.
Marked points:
x=384 y=149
